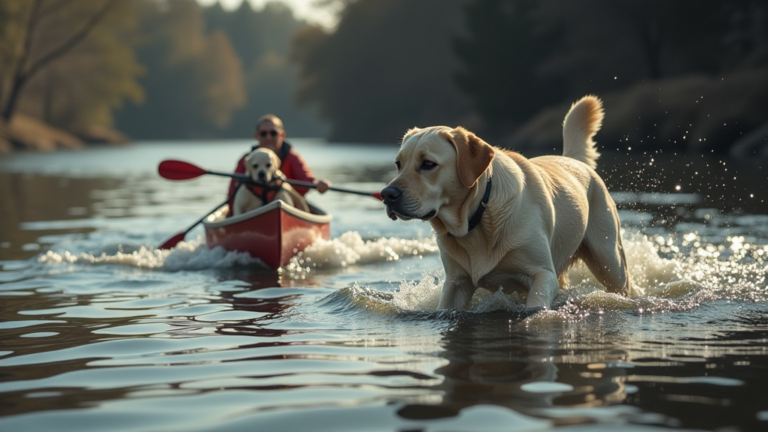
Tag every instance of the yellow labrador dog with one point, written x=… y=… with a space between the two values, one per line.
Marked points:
x=502 y=220
x=263 y=167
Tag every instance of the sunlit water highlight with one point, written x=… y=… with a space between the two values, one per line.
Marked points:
x=692 y=274
x=100 y=328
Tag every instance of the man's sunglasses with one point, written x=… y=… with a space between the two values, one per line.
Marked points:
x=272 y=133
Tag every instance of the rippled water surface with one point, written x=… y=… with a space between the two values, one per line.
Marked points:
x=101 y=331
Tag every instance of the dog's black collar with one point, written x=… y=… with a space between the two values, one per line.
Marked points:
x=475 y=220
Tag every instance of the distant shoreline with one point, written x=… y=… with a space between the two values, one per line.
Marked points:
x=25 y=133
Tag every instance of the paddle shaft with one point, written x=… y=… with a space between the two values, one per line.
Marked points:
x=245 y=179
x=173 y=241
x=179 y=170
x=333 y=188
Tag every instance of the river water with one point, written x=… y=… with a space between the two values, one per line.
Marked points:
x=101 y=331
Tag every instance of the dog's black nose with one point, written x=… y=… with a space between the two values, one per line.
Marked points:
x=391 y=193
x=262 y=175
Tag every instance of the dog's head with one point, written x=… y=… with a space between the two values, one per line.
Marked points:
x=262 y=165
x=436 y=166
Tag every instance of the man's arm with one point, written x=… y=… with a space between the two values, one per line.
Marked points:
x=295 y=168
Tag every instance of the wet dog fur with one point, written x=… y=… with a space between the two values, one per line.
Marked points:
x=543 y=214
x=263 y=166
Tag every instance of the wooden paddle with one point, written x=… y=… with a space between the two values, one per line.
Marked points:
x=179 y=170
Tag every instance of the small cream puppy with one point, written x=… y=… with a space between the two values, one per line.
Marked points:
x=502 y=220
x=263 y=167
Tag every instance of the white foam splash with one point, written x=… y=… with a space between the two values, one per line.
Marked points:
x=350 y=249
x=192 y=255
x=673 y=273
x=423 y=295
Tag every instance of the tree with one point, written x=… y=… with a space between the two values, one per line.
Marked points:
x=501 y=55
x=612 y=44
x=12 y=14
x=194 y=82
x=262 y=40
x=47 y=56
x=388 y=66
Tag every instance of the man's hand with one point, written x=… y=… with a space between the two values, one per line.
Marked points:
x=323 y=185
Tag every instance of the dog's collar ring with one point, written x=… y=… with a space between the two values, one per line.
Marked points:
x=475 y=220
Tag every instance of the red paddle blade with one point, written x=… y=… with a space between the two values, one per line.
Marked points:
x=377 y=195
x=173 y=241
x=178 y=170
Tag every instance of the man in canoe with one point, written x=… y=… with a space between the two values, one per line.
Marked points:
x=271 y=134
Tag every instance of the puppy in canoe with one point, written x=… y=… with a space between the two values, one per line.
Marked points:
x=502 y=220
x=263 y=167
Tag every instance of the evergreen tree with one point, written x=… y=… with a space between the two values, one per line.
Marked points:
x=388 y=66
x=501 y=56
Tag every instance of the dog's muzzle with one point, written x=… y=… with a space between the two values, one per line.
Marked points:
x=391 y=195
x=394 y=203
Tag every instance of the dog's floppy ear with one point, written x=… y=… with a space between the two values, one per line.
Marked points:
x=248 y=164
x=473 y=155
x=276 y=162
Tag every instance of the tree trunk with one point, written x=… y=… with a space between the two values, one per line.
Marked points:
x=19 y=78
x=10 y=106
x=22 y=76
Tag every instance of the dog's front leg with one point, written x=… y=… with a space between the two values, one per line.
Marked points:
x=544 y=289
x=457 y=292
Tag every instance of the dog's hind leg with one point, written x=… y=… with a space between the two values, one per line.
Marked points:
x=609 y=267
x=603 y=252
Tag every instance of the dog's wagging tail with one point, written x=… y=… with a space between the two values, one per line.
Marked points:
x=579 y=127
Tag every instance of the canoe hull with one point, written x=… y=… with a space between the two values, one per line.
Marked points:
x=274 y=233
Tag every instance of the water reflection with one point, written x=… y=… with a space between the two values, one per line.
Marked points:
x=30 y=197
x=493 y=359
x=225 y=345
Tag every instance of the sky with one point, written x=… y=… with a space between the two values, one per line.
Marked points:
x=303 y=9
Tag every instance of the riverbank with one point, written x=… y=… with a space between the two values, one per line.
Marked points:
x=27 y=133
x=725 y=115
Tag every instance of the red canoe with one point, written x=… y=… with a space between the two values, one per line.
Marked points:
x=273 y=233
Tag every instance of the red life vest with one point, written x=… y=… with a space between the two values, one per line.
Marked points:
x=266 y=193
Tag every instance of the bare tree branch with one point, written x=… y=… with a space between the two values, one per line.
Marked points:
x=73 y=41
x=53 y=8
x=34 y=16
x=21 y=76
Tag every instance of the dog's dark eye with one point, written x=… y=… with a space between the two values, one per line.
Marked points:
x=428 y=165
x=269 y=165
x=255 y=165
x=397 y=164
